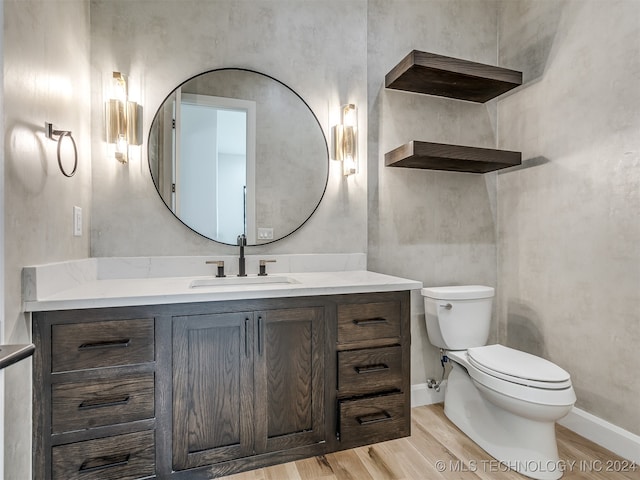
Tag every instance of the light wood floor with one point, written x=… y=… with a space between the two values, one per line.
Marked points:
x=437 y=450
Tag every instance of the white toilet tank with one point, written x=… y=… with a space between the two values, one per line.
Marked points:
x=458 y=317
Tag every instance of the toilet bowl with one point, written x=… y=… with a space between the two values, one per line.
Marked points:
x=505 y=400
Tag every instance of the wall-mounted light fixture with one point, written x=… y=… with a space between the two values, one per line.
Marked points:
x=344 y=146
x=124 y=126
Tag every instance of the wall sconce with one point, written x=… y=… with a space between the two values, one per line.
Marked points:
x=344 y=146
x=124 y=127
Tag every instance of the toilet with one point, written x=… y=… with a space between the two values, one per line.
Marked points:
x=505 y=400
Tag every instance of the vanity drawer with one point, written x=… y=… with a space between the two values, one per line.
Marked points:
x=95 y=403
x=373 y=419
x=368 y=321
x=101 y=344
x=122 y=457
x=371 y=370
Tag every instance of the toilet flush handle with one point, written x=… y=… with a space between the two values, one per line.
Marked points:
x=448 y=306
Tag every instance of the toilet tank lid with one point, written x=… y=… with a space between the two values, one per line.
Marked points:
x=458 y=292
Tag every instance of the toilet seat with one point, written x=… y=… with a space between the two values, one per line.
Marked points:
x=518 y=367
x=544 y=393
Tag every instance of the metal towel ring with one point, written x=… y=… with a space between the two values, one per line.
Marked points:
x=50 y=132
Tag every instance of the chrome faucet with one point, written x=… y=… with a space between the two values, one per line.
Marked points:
x=242 y=241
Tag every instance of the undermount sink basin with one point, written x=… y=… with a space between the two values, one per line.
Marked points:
x=249 y=280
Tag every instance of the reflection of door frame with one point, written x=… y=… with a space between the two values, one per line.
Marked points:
x=175 y=159
x=249 y=107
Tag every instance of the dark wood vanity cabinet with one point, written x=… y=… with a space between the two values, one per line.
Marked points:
x=196 y=391
x=247 y=383
x=212 y=388
x=373 y=349
x=94 y=396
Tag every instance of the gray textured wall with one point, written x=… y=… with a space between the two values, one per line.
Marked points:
x=46 y=78
x=565 y=228
x=315 y=47
x=436 y=227
x=430 y=226
x=569 y=224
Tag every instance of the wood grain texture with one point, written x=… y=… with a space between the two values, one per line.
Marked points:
x=41 y=397
x=214 y=367
x=289 y=373
x=435 y=439
x=102 y=344
x=368 y=321
x=65 y=374
x=299 y=373
x=88 y=404
x=122 y=457
x=369 y=371
x=290 y=384
x=212 y=388
x=433 y=74
x=368 y=366
x=456 y=158
x=373 y=419
x=164 y=394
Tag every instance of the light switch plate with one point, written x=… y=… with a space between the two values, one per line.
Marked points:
x=77 y=221
x=265 y=233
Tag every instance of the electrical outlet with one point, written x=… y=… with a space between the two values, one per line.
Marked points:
x=77 y=221
x=265 y=233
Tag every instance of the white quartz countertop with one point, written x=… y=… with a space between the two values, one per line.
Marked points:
x=119 y=292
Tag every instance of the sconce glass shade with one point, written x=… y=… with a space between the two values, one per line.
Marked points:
x=134 y=123
x=344 y=145
x=116 y=120
x=119 y=87
x=117 y=128
x=124 y=127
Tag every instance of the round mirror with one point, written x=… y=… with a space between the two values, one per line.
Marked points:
x=234 y=152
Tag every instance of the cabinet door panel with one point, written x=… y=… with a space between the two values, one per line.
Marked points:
x=213 y=392
x=289 y=378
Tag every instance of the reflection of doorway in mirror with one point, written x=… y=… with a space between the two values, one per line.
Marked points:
x=215 y=166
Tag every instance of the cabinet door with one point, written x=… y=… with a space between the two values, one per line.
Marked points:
x=289 y=378
x=212 y=388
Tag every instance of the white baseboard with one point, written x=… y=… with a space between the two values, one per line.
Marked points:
x=605 y=434
x=421 y=394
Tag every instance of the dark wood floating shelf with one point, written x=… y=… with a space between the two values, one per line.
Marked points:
x=440 y=156
x=433 y=74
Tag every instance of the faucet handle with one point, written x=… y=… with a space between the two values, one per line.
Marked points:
x=263 y=267
x=220 y=264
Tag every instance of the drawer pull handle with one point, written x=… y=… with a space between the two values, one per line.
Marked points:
x=260 y=335
x=370 y=321
x=246 y=337
x=106 y=344
x=371 y=368
x=108 y=461
x=104 y=402
x=374 y=418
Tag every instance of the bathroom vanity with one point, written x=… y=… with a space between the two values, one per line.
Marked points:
x=203 y=384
